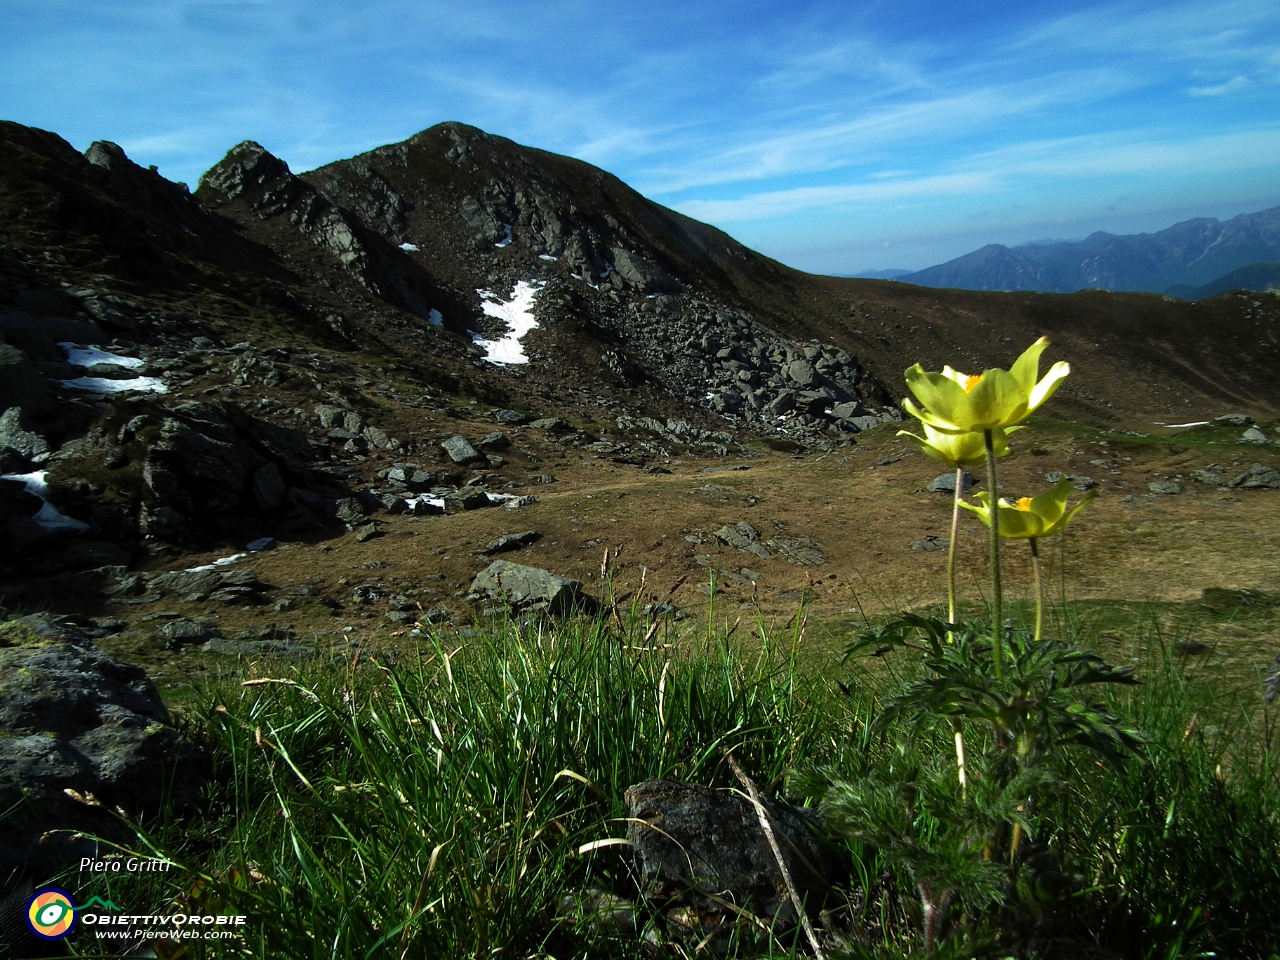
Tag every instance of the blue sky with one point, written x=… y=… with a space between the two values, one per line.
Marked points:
x=835 y=136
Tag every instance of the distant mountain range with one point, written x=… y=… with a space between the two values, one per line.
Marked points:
x=1190 y=260
x=890 y=274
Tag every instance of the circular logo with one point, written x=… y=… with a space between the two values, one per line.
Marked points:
x=51 y=913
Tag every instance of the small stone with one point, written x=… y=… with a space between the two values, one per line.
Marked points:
x=515 y=503
x=1188 y=647
x=550 y=424
x=1253 y=435
x=1165 y=487
x=495 y=441
x=513 y=541
x=930 y=544
x=368 y=532
x=946 y=482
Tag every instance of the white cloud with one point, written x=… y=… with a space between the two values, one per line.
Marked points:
x=1220 y=89
x=760 y=206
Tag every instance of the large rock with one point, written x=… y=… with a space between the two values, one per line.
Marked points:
x=72 y=717
x=530 y=588
x=16 y=435
x=697 y=847
x=461 y=451
x=269 y=487
x=218 y=583
x=1258 y=477
x=21 y=384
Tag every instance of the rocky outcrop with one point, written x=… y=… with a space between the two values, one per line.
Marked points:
x=251 y=176
x=80 y=733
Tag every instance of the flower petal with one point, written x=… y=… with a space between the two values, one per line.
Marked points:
x=1027 y=367
x=1048 y=386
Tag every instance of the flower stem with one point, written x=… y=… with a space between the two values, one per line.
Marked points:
x=951 y=618
x=951 y=548
x=1035 y=566
x=997 y=596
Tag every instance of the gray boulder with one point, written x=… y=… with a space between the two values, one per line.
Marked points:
x=801 y=373
x=530 y=588
x=1234 y=420
x=1253 y=435
x=461 y=451
x=697 y=847
x=1165 y=487
x=1258 y=477
x=200 y=584
x=73 y=718
x=468 y=498
x=1211 y=475
x=180 y=632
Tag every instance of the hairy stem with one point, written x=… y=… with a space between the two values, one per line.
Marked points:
x=1035 y=567
x=951 y=547
x=997 y=596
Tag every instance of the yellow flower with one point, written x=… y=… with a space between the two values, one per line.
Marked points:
x=957 y=450
x=1040 y=516
x=954 y=402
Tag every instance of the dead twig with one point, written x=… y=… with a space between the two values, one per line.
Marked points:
x=767 y=827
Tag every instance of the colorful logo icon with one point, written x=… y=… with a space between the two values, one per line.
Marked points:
x=51 y=913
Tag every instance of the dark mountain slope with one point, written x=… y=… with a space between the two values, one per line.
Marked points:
x=1256 y=276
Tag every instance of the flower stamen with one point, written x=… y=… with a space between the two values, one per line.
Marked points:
x=971 y=381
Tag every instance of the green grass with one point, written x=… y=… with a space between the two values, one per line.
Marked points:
x=433 y=807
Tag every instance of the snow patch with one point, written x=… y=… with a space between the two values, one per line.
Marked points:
x=79 y=356
x=49 y=516
x=1183 y=426
x=220 y=562
x=516 y=314
x=505 y=241
x=548 y=257
x=411 y=247
x=101 y=385
x=435 y=317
